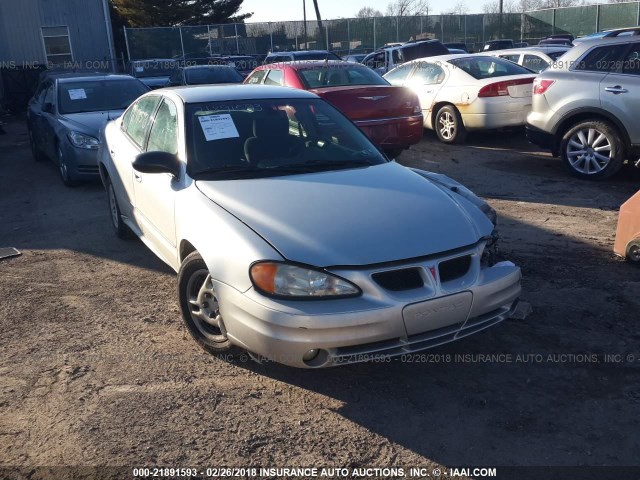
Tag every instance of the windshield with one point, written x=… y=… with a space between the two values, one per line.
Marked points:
x=98 y=95
x=488 y=67
x=260 y=138
x=213 y=74
x=316 y=56
x=339 y=76
x=154 y=69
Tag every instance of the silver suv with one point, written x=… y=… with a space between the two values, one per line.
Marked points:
x=585 y=107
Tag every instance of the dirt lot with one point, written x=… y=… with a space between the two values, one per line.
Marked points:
x=96 y=367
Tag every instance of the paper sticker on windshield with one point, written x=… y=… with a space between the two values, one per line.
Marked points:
x=139 y=69
x=77 y=94
x=217 y=127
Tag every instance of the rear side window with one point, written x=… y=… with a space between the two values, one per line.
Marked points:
x=535 y=63
x=256 y=78
x=488 y=67
x=428 y=74
x=511 y=58
x=136 y=123
x=399 y=75
x=603 y=59
x=275 y=77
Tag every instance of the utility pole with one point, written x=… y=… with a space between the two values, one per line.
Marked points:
x=304 y=14
x=500 y=21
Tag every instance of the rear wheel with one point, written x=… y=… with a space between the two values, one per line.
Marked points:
x=592 y=150
x=633 y=253
x=200 y=307
x=449 y=126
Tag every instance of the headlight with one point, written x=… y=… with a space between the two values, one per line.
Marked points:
x=81 y=140
x=490 y=213
x=296 y=282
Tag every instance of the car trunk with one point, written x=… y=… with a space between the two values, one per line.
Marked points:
x=516 y=86
x=370 y=102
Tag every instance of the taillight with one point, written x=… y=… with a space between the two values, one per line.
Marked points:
x=501 y=89
x=541 y=86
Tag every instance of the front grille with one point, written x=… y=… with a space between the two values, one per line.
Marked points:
x=454 y=268
x=399 y=280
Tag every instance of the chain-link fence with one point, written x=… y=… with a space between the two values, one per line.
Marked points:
x=363 y=35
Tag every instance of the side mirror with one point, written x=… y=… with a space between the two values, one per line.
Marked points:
x=157 y=162
x=47 y=107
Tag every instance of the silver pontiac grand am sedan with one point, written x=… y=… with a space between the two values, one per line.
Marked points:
x=293 y=237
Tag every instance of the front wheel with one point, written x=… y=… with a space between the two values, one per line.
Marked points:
x=200 y=307
x=63 y=169
x=121 y=229
x=449 y=126
x=38 y=156
x=592 y=150
x=633 y=253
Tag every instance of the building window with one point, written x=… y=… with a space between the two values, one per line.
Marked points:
x=57 y=45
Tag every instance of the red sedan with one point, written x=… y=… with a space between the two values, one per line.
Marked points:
x=390 y=116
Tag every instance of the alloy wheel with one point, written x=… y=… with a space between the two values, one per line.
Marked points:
x=62 y=165
x=113 y=207
x=204 y=307
x=589 y=151
x=447 y=125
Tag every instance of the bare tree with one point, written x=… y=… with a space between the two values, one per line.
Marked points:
x=460 y=8
x=509 y=6
x=408 y=8
x=366 y=12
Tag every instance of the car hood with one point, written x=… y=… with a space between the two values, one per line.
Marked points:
x=90 y=122
x=351 y=217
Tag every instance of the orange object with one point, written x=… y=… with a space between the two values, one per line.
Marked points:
x=628 y=233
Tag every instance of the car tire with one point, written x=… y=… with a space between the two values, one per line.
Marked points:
x=633 y=253
x=449 y=126
x=200 y=309
x=63 y=169
x=38 y=156
x=121 y=228
x=592 y=150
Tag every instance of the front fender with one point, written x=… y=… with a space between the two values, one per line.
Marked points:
x=227 y=245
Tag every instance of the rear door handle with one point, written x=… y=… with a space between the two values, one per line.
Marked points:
x=616 y=90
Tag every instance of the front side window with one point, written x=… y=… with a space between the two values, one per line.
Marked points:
x=137 y=122
x=261 y=138
x=163 y=136
x=57 y=45
x=603 y=59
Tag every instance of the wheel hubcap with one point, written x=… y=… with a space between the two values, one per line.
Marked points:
x=204 y=308
x=447 y=125
x=62 y=165
x=113 y=206
x=634 y=253
x=589 y=151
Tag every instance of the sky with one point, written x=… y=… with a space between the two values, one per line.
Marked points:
x=281 y=10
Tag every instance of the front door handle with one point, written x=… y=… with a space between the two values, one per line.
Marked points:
x=616 y=90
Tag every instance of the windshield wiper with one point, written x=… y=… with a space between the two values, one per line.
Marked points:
x=225 y=169
x=315 y=165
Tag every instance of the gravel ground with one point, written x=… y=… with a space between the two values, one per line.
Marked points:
x=96 y=367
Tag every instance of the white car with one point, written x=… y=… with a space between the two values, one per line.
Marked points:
x=537 y=59
x=293 y=236
x=467 y=92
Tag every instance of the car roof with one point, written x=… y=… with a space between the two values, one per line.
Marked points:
x=606 y=41
x=88 y=76
x=300 y=52
x=202 y=67
x=304 y=64
x=210 y=93
x=150 y=60
x=539 y=49
x=446 y=58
